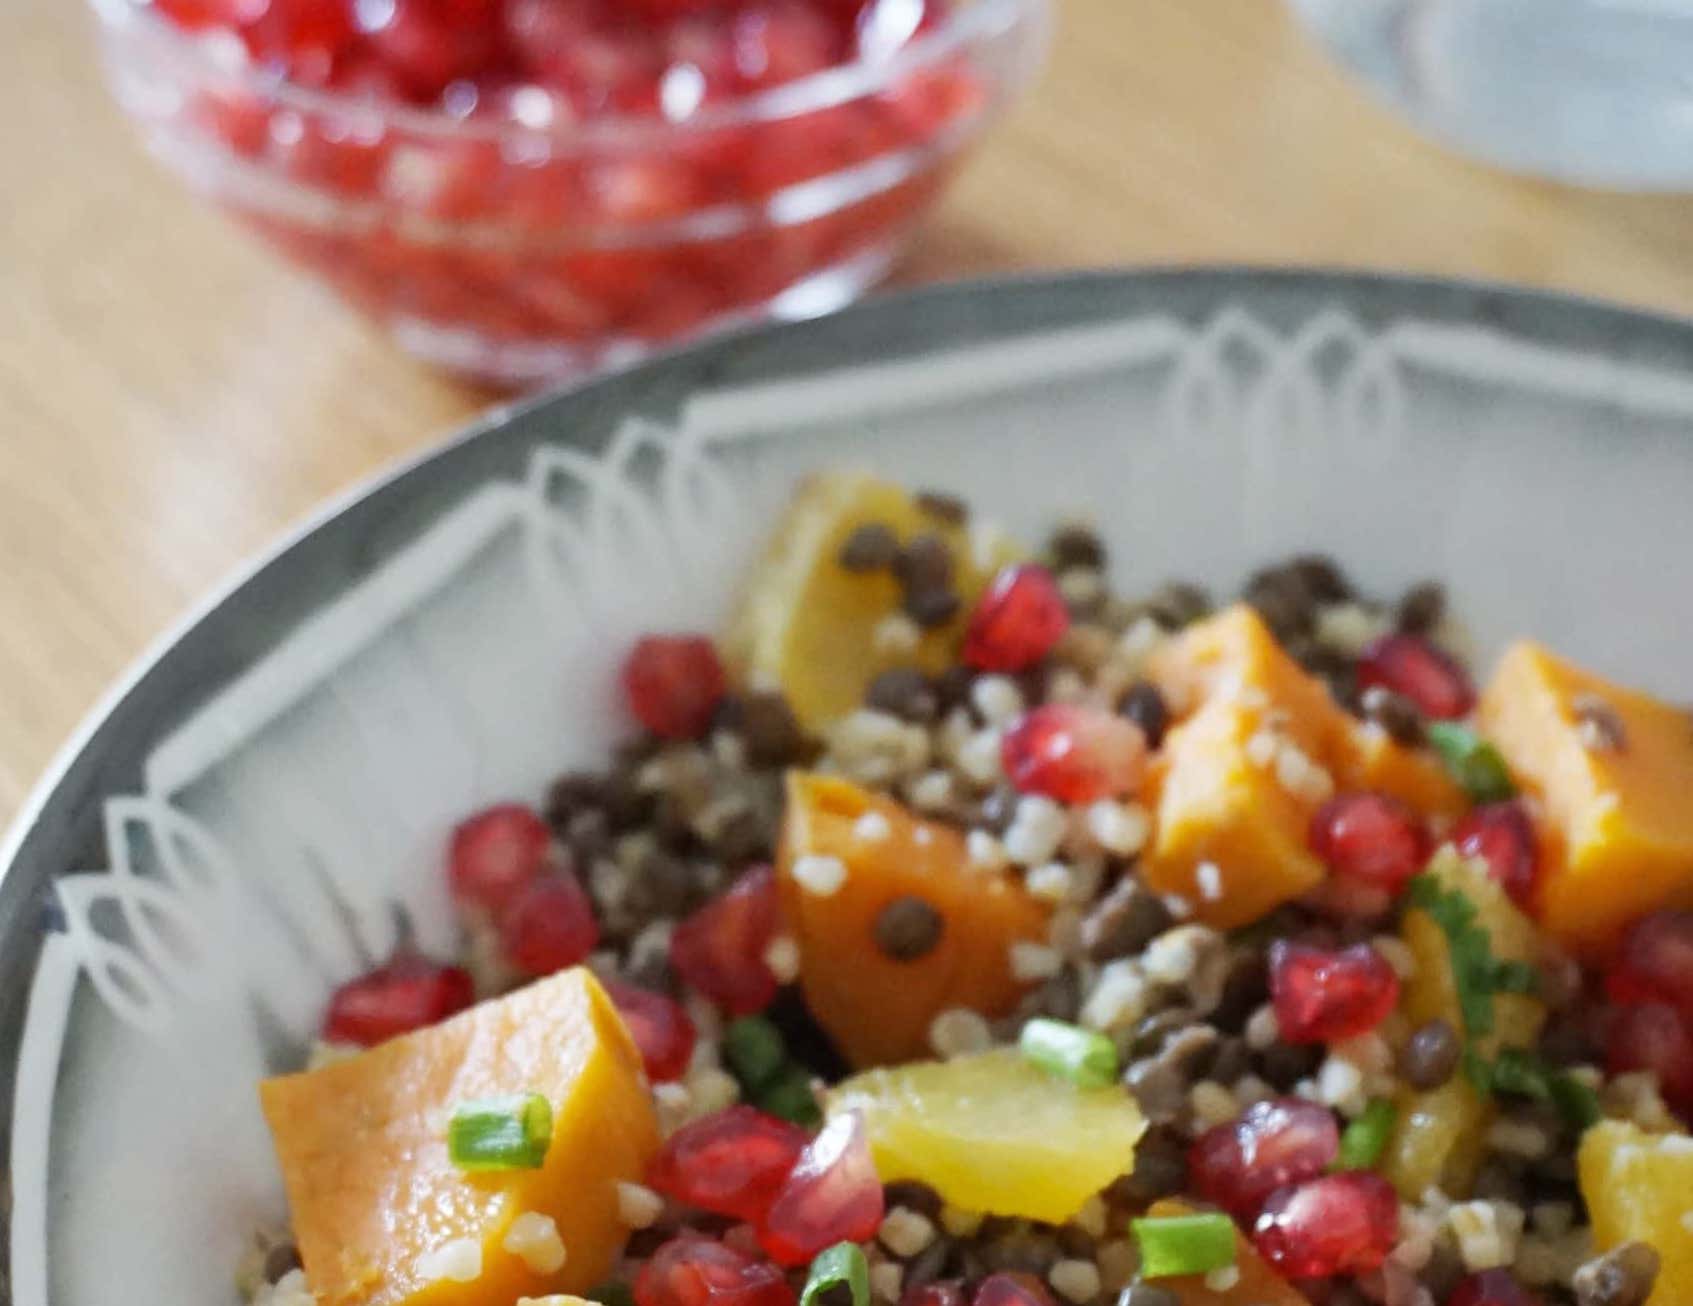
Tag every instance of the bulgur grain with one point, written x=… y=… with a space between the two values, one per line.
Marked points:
x=1075 y=1280
x=905 y=1232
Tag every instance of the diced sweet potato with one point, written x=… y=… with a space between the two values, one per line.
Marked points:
x=375 y=1198
x=1635 y=1185
x=808 y=625
x=1226 y=796
x=1258 y=1284
x=1229 y=837
x=878 y=1007
x=1612 y=769
x=1438 y=1137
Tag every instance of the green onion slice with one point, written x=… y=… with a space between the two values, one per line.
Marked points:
x=1578 y=1102
x=843 y=1263
x=1079 y=1055
x=501 y=1133
x=790 y=1097
x=1365 y=1139
x=1473 y=762
x=755 y=1052
x=1184 y=1244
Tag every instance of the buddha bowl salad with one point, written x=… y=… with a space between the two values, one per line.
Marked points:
x=956 y=932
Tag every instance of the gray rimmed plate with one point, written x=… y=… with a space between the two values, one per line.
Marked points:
x=230 y=834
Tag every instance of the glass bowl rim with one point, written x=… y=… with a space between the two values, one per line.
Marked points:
x=971 y=24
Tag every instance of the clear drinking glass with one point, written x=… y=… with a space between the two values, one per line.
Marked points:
x=1596 y=92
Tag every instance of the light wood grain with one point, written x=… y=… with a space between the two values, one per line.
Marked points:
x=172 y=396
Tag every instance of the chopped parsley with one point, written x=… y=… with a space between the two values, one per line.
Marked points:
x=1477 y=976
x=1474 y=763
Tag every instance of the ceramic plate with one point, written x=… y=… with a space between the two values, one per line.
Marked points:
x=230 y=835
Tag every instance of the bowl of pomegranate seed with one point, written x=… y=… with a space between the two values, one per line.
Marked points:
x=519 y=190
x=1041 y=794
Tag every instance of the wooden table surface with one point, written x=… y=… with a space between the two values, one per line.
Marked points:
x=172 y=396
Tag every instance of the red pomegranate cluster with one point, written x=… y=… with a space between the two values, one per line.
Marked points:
x=515 y=214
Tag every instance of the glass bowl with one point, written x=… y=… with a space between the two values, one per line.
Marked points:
x=514 y=250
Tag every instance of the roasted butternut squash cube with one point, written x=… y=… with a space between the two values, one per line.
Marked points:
x=1229 y=836
x=1635 y=1185
x=876 y=983
x=1612 y=769
x=382 y=1214
x=1369 y=758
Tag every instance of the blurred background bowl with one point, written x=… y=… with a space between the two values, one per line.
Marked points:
x=520 y=246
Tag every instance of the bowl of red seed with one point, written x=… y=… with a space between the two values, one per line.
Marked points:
x=518 y=190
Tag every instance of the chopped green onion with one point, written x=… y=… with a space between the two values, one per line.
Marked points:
x=501 y=1133
x=1578 y=1102
x=1514 y=977
x=755 y=1052
x=1070 y=1052
x=613 y=1292
x=1184 y=1244
x=1473 y=762
x=1365 y=1139
x=790 y=1097
x=843 y=1263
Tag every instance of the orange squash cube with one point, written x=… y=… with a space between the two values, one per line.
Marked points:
x=1635 y=1185
x=1612 y=768
x=376 y=1200
x=878 y=1008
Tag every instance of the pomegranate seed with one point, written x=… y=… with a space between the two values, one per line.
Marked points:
x=1653 y=1036
x=940 y=1292
x=1369 y=838
x=692 y=1270
x=1323 y=996
x=542 y=32
x=1017 y=621
x=1273 y=1144
x=732 y=1162
x=660 y=1028
x=548 y=925
x=1502 y=835
x=665 y=11
x=1012 y=1288
x=1655 y=962
x=304 y=38
x=719 y=950
x=198 y=14
x=777 y=43
x=408 y=993
x=430 y=43
x=832 y=1195
x=1074 y=753
x=1337 y=1224
x=495 y=853
x=1410 y=665
x=1491 y=1288
x=674 y=683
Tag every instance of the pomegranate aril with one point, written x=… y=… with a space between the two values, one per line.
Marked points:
x=1074 y=753
x=776 y=43
x=1653 y=1036
x=1655 y=962
x=1323 y=996
x=1491 y=1288
x=430 y=43
x=1371 y=838
x=1018 y=620
x=1012 y=1288
x=673 y=684
x=495 y=853
x=303 y=38
x=1410 y=665
x=408 y=993
x=548 y=925
x=692 y=1270
x=730 y=1163
x=660 y=1027
x=719 y=950
x=1274 y=1143
x=197 y=14
x=940 y=1292
x=1337 y=1224
x=832 y=1195
x=1502 y=835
